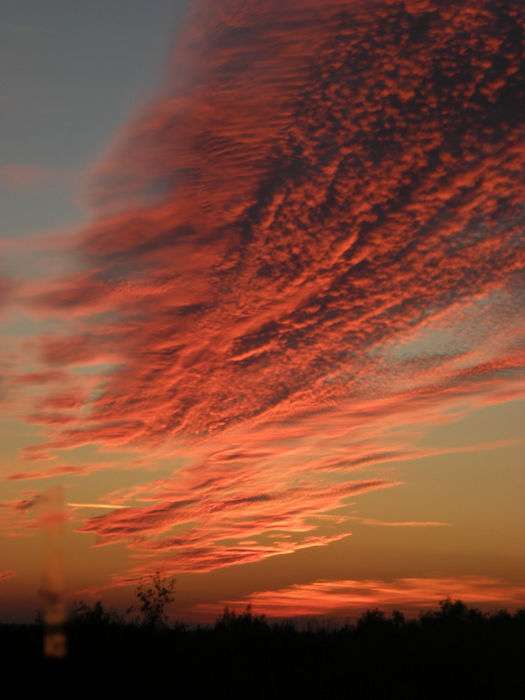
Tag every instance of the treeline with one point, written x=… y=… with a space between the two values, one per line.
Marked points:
x=453 y=651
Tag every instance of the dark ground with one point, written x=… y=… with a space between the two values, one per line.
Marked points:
x=451 y=652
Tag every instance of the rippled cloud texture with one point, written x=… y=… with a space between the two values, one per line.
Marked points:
x=305 y=253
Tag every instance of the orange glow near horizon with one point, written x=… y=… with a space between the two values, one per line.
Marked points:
x=341 y=598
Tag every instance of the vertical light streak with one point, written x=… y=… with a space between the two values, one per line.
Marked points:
x=52 y=589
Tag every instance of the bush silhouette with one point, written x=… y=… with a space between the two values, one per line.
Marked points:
x=96 y=615
x=230 y=621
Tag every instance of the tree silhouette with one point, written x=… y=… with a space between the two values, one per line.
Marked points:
x=154 y=598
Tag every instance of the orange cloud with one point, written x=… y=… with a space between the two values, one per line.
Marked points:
x=347 y=597
x=222 y=525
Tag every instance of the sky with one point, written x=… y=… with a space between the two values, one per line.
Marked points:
x=261 y=302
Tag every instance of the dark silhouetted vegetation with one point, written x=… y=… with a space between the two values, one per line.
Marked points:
x=154 y=600
x=451 y=652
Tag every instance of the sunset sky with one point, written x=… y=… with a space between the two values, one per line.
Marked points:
x=261 y=301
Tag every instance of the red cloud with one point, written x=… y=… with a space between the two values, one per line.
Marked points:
x=279 y=242
x=44 y=377
x=281 y=249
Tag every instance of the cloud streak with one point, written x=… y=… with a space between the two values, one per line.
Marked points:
x=399 y=523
